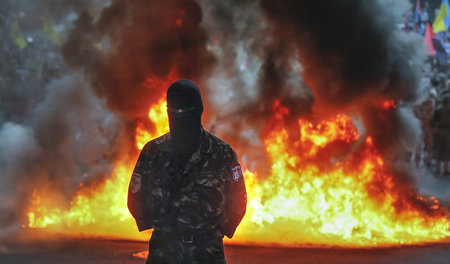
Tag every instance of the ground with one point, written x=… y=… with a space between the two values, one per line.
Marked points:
x=68 y=250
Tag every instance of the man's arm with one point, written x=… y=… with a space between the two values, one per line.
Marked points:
x=236 y=196
x=137 y=191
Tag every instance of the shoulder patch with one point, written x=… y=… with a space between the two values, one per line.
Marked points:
x=136 y=183
x=237 y=172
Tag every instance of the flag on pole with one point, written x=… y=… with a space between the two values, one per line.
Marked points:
x=439 y=51
x=417 y=16
x=428 y=42
x=51 y=33
x=442 y=21
x=17 y=36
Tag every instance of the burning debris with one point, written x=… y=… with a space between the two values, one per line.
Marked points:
x=314 y=94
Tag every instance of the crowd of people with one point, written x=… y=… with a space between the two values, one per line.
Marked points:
x=434 y=115
x=417 y=17
x=419 y=20
x=434 y=111
x=29 y=61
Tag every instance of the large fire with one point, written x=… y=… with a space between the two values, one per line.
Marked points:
x=321 y=190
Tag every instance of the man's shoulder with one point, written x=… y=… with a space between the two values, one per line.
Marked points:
x=220 y=145
x=159 y=144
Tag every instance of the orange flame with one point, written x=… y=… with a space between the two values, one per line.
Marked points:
x=158 y=116
x=317 y=192
x=355 y=202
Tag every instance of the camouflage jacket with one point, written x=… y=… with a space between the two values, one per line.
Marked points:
x=209 y=193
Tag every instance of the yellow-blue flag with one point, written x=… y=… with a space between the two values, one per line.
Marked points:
x=51 y=33
x=442 y=21
x=17 y=36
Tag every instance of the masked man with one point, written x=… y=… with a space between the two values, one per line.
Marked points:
x=187 y=185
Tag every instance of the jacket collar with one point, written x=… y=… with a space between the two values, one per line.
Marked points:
x=206 y=143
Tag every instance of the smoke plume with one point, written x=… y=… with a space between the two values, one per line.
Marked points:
x=69 y=104
x=353 y=58
x=147 y=41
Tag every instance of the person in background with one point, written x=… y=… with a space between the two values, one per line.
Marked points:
x=441 y=127
x=425 y=113
x=442 y=85
x=434 y=79
x=424 y=15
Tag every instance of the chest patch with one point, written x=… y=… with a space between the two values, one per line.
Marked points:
x=237 y=172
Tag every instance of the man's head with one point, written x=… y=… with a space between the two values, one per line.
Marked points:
x=184 y=109
x=184 y=94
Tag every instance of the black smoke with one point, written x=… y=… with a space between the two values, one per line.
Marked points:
x=148 y=40
x=353 y=58
x=74 y=114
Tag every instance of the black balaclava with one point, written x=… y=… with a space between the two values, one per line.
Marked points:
x=184 y=108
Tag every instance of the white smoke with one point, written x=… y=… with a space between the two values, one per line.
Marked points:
x=17 y=143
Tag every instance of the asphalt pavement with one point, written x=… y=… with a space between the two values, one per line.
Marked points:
x=69 y=250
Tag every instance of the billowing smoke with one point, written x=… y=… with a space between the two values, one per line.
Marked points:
x=318 y=58
x=353 y=58
x=251 y=72
x=68 y=138
x=147 y=40
x=70 y=103
x=95 y=67
x=55 y=134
